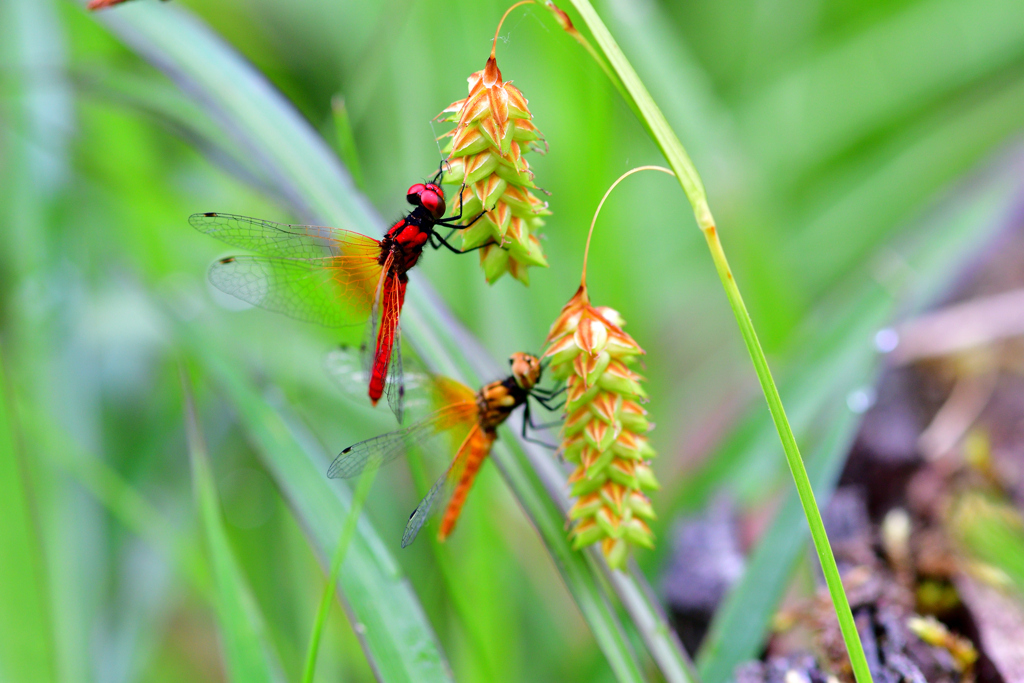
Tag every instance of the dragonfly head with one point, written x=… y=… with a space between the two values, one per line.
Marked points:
x=428 y=195
x=526 y=369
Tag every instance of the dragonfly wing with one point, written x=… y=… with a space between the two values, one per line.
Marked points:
x=283 y=240
x=382 y=449
x=421 y=514
x=441 y=492
x=369 y=346
x=302 y=289
x=446 y=390
x=347 y=366
x=372 y=453
x=396 y=379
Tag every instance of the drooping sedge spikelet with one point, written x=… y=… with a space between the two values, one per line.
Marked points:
x=493 y=131
x=604 y=430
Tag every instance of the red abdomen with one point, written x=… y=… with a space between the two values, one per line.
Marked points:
x=392 y=299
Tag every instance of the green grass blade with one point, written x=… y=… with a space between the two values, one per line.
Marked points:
x=308 y=174
x=381 y=605
x=27 y=648
x=666 y=139
x=26 y=632
x=741 y=621
x=362 y=490
x=886 y=187
x=246 y=652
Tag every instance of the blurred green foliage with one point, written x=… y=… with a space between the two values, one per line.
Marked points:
x=832 y=137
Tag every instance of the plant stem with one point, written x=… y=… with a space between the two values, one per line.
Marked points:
x=347 y=531
x=793 y=459
x=661 y=132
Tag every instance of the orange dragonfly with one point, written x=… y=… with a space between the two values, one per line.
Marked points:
x=335 y=277
x=472 y=418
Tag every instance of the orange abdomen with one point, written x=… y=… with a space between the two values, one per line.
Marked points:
x=479 y=447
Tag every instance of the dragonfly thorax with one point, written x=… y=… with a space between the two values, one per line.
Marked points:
x=497 y=400
x=403 y=244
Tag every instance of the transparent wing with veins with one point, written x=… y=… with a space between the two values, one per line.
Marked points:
x=310 y=242
x=348 y=367
x=436 y=500
x=316 y=274
x=456 y=418
x=395 y=387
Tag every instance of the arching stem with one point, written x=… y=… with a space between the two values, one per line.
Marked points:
x=586 y=250
x=494 y=44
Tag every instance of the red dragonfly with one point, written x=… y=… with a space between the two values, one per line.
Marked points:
x=335 y=277
x=472 y=419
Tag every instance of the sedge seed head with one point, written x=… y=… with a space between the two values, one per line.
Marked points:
x=493 y=131
x=604 y=430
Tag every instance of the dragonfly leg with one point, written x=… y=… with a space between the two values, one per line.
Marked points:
x=528 y=421
x=445 y=243
x=440 y=170
x=450 y=221
x=544 y=401
x=448 y=224
x=547 y=394
x=461 y=200
x=436 y=241
x=543 y=425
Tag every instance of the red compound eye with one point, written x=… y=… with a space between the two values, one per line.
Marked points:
x=412 y=195
x=433 y=201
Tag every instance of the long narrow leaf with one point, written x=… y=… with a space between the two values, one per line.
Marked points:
x=26 y=634
x=246 y=650
x=931 y=48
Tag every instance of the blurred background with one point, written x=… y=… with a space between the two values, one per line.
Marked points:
x=858 y=157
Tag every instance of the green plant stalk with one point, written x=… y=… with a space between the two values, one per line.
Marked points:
x=661 y=132
x=793 y=459
x=347 y=531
